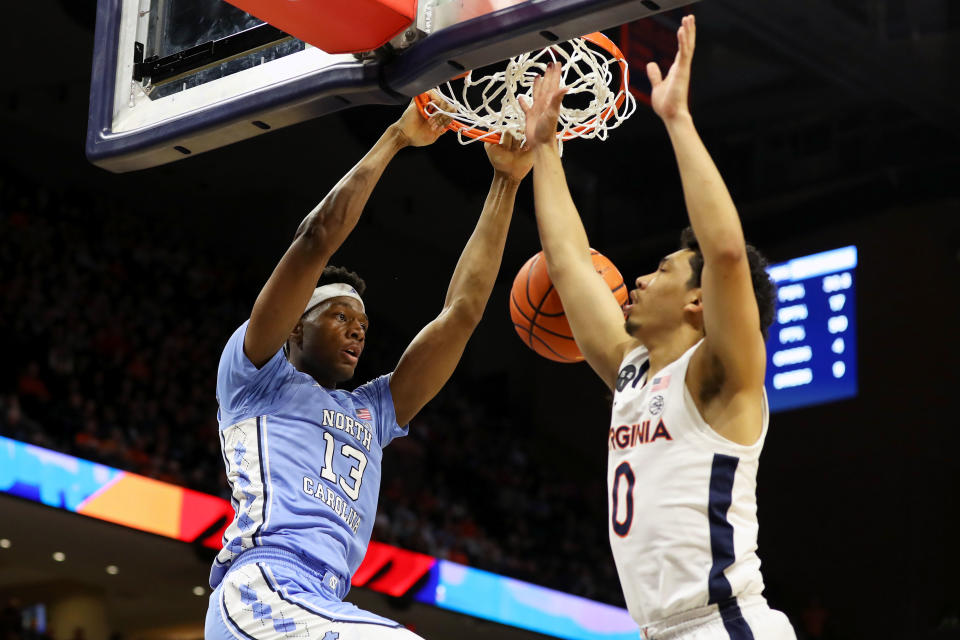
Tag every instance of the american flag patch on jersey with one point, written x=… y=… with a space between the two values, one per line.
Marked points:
x=661 y=382
x=364 y=414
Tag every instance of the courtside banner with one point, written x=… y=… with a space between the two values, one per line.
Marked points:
x=96 y=490
x=65 y=482
x=520 y=604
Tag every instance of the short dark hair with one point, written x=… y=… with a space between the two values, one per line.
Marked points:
x=332 y=275
x=763 y=288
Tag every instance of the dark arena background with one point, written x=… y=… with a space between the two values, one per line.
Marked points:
x=834 y=122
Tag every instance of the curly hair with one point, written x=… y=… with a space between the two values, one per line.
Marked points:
x=332 y=275
x=763 y=288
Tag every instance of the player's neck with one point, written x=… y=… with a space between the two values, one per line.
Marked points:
x=667 y=346
x=324 y=380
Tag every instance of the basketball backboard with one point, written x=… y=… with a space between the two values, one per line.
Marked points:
x=173 y=78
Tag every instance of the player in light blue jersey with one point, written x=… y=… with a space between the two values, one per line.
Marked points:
x=303 y=457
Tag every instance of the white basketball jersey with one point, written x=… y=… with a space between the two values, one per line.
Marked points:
x=683 y=503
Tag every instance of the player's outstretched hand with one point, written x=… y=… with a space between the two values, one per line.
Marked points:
x=669 y=95
x=509 y=158
x=542 y=115
x=419 y=131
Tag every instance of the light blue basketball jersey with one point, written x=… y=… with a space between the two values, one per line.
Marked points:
x=303 y=461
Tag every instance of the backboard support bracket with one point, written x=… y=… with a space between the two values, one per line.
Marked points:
x=171 y=67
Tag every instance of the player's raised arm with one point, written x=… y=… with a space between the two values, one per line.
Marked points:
x=281 y=301
x=594 y=315
x=730 y=313
x=429 y=361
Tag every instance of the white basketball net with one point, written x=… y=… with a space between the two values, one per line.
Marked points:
x=587 y=69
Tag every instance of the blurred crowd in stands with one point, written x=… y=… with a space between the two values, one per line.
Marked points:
x=112 y=328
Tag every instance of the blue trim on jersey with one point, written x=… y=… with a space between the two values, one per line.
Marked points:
x=721 y=546
x=721 y=531
x=326 y=615
x=261 y=428
x=644 y=367
x=233 y=501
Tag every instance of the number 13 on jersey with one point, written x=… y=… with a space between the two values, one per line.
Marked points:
x=355 y=473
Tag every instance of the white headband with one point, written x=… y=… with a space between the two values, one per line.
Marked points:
x=335 y=290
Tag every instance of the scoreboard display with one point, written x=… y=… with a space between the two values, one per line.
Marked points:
x=812 y=346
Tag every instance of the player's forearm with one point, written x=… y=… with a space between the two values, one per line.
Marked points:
x=712 y=212
x=562 y=235
x=473 y=279
x=328 y=225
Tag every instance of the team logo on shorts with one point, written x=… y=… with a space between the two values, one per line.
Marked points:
x=625 y=376
x=656 y=405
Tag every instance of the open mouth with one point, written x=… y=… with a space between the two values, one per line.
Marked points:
x=352 y=354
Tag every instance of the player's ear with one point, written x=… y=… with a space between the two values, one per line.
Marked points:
x=296 y=335
x=694 y=303
x=693 y=309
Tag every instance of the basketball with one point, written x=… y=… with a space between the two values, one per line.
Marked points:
x=538 y=315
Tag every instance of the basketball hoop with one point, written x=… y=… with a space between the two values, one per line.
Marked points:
x=487 y=107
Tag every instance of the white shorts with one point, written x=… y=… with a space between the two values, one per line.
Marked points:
x=273 y=600
x=731 y=620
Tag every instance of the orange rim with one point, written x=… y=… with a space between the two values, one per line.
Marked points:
x=596 y=38
x=423 y=100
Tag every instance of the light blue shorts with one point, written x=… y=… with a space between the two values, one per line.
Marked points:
x=267 y=595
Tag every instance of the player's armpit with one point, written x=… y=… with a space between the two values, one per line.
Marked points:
x=726 y=374
x=735 y=414
x=731 y=322
x=593 y=312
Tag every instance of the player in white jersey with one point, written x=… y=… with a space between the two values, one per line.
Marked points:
x=303 y=457
x=687 y=370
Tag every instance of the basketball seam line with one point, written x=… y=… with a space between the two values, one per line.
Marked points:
x=547 y=346
x=532 y=335
x=536 y=259
x=534 y=324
